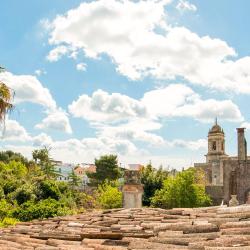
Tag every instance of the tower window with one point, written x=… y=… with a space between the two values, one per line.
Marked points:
x=222 y=145
x=214 y=145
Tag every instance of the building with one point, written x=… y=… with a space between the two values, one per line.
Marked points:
x=226 y=175
x=135 y=167
x=64 y=170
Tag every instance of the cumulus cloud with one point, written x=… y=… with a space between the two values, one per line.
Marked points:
x=104 y=107
x=42 y=140
x=175 y=100
x=28 y=89
x=13 y=131
x=199 y=144
x=125 y=31
x=55 y=54
x=134 y=131
x=56 y=120
x=178 y=100
x=185 y=6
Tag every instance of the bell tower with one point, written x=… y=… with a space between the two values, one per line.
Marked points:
x=216 y=151
x=216 y=143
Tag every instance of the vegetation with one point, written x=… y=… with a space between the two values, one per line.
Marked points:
x=106 y=169
x=183 y=190
x=29 y=189
x=109 y=196
x=6 y=96
x=152 y=179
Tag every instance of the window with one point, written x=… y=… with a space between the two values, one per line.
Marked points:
x=222 y=146
x=214 y=145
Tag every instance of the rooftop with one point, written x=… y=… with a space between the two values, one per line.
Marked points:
x=148 y=228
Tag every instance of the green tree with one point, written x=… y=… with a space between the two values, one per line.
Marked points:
x=8 y=156
x=152 y=179
x=74 y=180
x=42 y=158
x=106 y=169
x=181 y=191
x=6 y=98
x=109 y=196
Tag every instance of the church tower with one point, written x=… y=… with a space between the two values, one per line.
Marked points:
x=216 y=153
x=216 y=143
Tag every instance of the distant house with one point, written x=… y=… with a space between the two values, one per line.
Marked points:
x=136 y=167
x=64 y=170
x=81 y=170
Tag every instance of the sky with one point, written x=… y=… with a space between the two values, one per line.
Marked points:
x=140 y=79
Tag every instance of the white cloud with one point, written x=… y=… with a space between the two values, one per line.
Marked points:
x=40 y=72
x=133 y=131
x=192 y=145
x=81 y=66
x=178 y=100
x=42 y=140
x=56 y=120
x=13 y=131
x=28 y=89
x=103 y=107
x=185 y=6
x=125 y=31
x=245 y=125
x=55 y=54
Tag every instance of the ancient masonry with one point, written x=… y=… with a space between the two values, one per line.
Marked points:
x=212 y=228
x=132 y=189
x=227 y=177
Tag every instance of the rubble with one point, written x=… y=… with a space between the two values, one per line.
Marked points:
x=210 y=228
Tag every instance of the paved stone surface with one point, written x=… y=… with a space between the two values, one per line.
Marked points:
x=212 y=228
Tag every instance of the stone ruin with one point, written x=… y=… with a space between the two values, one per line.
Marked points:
x=211 y=228
x=132 y=189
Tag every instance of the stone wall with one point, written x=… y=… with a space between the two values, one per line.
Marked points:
x=236 y=180
x=216 y=193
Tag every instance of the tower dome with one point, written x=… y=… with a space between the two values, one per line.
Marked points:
x=216 y=142
x=216 y=128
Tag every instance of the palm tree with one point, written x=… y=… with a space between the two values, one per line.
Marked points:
x=6 y=96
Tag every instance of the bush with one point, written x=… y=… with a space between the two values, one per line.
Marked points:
x=39 y=210
x=181 y=191
x=152 y=180
x=8 y=222
x=5 y=209
x=109 y=196
x=84 y=200
x=48 y=189
x=23 y=194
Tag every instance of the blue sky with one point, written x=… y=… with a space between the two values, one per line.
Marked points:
x=141 y=79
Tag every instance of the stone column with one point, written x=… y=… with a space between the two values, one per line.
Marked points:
x=132 y=189
x=242 y=146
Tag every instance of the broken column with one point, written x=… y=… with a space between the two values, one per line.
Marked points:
x=132 y=190
x=242 y=144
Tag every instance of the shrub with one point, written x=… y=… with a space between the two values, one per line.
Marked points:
x=42 y=209
x=5 y=209
x=84 y=200
x=109 y=196
x=181 y=191
x=23 y=194
x=48 y=189
x=8 y=222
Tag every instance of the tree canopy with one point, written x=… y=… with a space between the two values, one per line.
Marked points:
x=152 y=179
x=106 y=169
x=183 y=190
